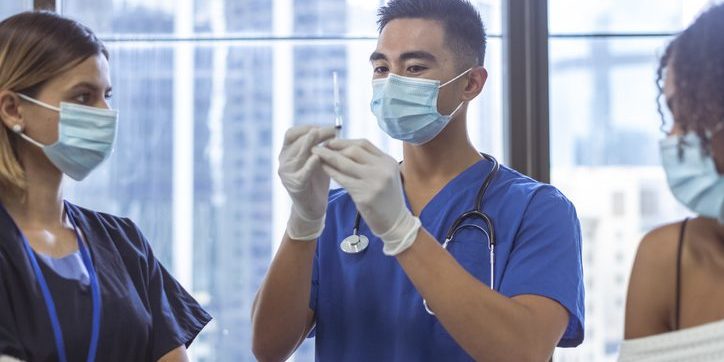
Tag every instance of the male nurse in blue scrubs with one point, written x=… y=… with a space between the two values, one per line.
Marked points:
x=368 y=306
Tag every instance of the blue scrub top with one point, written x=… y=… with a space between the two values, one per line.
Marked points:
x=367 y=309
x=145 y=312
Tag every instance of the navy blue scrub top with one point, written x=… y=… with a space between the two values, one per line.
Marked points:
x=366 y=308
x=145 y=312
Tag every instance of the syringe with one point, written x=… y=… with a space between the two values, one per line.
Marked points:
x=337 y=107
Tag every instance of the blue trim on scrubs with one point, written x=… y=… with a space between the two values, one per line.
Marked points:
x=69 y=267
x=367 y=309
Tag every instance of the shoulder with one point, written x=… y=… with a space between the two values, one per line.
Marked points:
x=122 y=231
x=531 y=190
x=658 y=248
x=652 y=287
x=105 y=219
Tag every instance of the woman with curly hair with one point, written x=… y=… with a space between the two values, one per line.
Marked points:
x=675 y=307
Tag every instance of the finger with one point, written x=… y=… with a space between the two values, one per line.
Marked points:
x=325 y=134
x=357 y=150
x=359 y=155
x=367 y=145
x=338 y=144
x=339 y=162
x=306 y=143
x=295 y=133
x=344 y=180
x=313 y=138
x=312 y=162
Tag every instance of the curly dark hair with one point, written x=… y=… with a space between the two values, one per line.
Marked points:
x=696 y=57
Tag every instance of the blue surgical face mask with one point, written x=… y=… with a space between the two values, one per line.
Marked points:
x=406 y=108
x=85 y=137
x=693 y=178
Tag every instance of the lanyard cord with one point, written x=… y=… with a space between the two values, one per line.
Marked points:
x=50 y=303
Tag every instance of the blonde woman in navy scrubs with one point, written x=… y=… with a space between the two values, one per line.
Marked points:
x=75 y=284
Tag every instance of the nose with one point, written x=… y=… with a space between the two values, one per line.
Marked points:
x=103 y=103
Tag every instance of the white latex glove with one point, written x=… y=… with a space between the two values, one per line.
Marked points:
x=307 y=184
x=372 y=179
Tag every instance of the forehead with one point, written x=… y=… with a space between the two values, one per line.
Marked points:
x=93 y=70
x=411 y=34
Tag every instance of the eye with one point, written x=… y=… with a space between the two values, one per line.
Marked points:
x=108 y=95
x=83 y=98
x=381 y=70
x=414 y=69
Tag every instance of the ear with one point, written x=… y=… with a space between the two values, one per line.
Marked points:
x=476 y=81
x=10 y=110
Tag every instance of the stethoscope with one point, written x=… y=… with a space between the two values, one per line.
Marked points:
x=356 y=243
x=50 y=304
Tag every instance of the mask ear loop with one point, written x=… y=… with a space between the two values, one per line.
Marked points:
x=39 y=103
x=18 y=129
x=450 y=81
x=456 y=78
x=456 y=109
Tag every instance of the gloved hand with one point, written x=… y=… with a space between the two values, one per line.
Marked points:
x=307 y=184
x=372 y=179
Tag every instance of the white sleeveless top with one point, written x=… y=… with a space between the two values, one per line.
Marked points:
x=701 y=343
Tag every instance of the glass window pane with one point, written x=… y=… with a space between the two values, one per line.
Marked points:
x=604 y=156
x=623 y=16
x=12 y=7
x=244 y=17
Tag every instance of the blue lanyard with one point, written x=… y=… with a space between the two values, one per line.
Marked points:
x=50 y=304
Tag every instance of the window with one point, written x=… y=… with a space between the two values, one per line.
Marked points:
x=604 y=133
x=9 y=8
x=206 y=90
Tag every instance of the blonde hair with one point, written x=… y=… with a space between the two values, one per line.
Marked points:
x=35 y=47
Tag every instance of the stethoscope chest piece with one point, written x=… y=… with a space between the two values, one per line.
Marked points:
x=354 y=244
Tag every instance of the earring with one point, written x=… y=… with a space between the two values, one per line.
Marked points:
x=17 y=128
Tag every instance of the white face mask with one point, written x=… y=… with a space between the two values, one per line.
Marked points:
x=85 y=137
x=406 y=108
x=693 y=178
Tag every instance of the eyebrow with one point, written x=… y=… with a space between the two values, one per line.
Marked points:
x=88 y=85
x=418 y=54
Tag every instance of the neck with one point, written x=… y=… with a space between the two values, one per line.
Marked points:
x=443 y=158
x=42 y=202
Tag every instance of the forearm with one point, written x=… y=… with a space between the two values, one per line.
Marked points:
x=486 y=324
x=280 y=314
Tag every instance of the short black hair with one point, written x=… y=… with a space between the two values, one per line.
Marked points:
x=464 y=29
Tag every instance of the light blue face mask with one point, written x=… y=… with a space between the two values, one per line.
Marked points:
x=693 y=179
x=85 y=137
x=406 y=108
